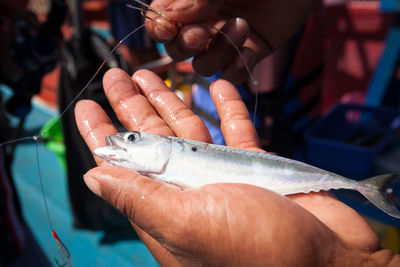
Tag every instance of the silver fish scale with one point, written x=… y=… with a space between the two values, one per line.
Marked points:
x=193 y=163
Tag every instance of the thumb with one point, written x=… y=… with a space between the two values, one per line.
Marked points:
x=181 y=12
x=144 y=201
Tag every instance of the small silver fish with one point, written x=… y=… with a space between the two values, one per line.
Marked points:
x=191 y=164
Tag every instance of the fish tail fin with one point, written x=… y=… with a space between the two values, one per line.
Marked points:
x=371 y=189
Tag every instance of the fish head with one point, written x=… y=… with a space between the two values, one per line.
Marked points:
x=145 y=153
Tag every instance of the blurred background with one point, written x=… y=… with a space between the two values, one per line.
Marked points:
x=330 y=98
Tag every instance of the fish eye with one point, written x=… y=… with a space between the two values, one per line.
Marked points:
x=131 y=137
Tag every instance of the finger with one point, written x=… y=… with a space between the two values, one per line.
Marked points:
x=173 y=111
x=238 y=70
x=160 y=29
x=236 y=124
x=93 y=124
x=253 y=50
x=161 y=254
x=190 y=41
x=222 y=48
x=340 y=218
x=183 y=12
x=132 y=108
x=146 y=202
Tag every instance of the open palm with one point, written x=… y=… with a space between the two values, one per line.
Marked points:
x=220 y=224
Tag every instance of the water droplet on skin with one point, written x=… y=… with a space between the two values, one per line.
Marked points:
x=114 y=77
x=221 y=98
x=94 y=140
x=228 y=113
x=319 y=197
x=156 y=98
x=172 y=116
x=87 y=124
x=142 y=82
x=123 y=105
x=131 y=116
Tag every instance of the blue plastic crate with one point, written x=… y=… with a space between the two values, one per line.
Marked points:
x=348 y=138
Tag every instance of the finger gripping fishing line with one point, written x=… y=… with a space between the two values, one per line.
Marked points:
x=146 y=8
x=62 y=249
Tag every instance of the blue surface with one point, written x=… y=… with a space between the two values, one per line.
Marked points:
x=333 y=141
x=202 y=99
x=386 y=67
x=84 y=246
x=390 y=5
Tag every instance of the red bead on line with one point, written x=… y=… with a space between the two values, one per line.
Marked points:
x=55 y=236
x=174 y=22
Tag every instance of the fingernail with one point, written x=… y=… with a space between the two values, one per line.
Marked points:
x=162 y=33
x=238 y=27
x=179 y=5
x=195 y=38
x=92 y=183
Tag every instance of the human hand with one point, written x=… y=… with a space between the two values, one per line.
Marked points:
x=220 y=224
x=257 y=27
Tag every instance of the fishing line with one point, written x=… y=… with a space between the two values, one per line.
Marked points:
x=62 y=249
x=226 y=36
x=253 y=80
x=42 y=187
x=39 y=135
x=94 y=76
x=64 y=253
x=17 y=140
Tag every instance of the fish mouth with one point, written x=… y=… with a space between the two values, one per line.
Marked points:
x=114 y=140
x=112 y=151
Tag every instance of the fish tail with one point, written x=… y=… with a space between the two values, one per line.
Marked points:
x=371 y=189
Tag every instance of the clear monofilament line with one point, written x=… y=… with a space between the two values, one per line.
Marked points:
x=149 y=8
x=136 y=8
x=42 y=187
x=144 y=4
x=93 y=77
x=64 y=254
x=26 y=138
x=60 y=249
x=255 y=106
x=142 y=11
x=253 y=80
x=38 y=137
